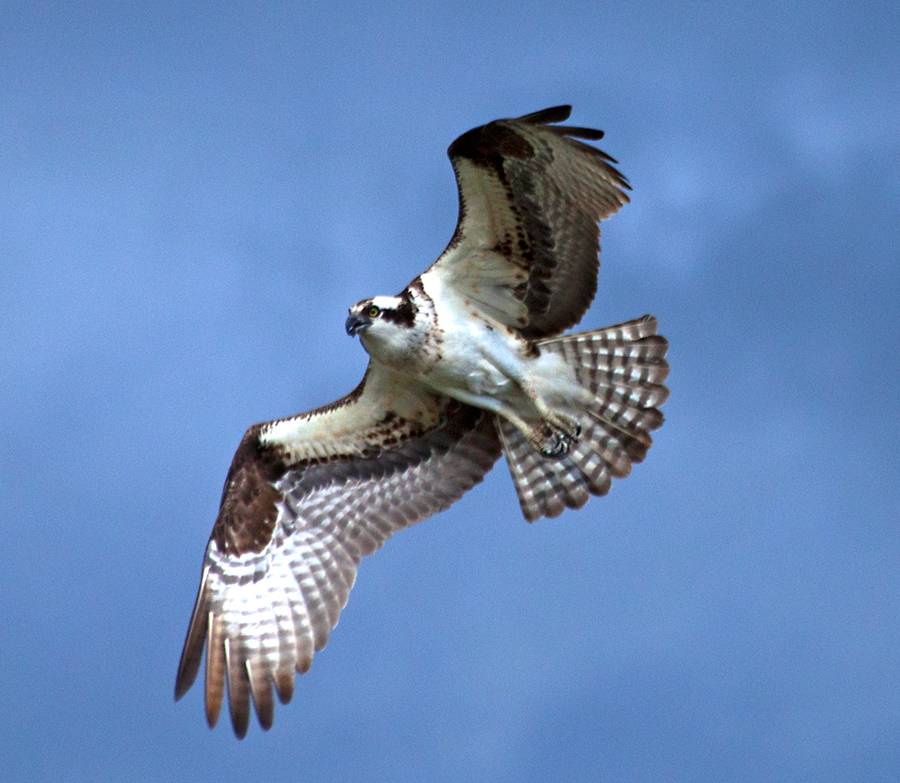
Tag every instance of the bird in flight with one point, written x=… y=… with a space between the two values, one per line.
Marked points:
x=468 y=362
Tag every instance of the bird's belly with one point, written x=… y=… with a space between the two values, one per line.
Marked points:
x=487 y=379
x=473 y=364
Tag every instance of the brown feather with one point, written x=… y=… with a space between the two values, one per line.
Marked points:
x=267 y=609
x=526 y=242
x=215 y=671
x=544 y=116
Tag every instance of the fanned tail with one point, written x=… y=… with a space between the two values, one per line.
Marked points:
x=623 y=367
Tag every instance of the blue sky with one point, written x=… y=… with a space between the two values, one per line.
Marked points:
x=191 y=196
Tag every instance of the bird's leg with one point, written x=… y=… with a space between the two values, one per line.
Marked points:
x=550 y=441
x=543 y=436
x=567 y=426
x=553 y=435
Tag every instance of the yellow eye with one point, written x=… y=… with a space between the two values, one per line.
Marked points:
x=374 y=311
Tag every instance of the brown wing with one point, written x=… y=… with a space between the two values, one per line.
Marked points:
x=530 y=196
x=306 y=498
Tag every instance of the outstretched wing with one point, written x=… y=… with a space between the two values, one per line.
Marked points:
x=526 y=245
x=305 y=499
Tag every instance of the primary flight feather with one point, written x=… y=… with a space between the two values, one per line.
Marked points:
x=466 y=363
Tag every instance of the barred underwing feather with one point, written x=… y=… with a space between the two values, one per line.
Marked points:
x=215 y=663
x=238 y=687
x=263 y=612
x=258 y=675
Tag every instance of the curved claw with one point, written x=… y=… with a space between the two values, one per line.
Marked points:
x=567 y=425
x=557 y=445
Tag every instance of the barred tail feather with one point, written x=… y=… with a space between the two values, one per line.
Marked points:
x=623 y=367
x=546 y=486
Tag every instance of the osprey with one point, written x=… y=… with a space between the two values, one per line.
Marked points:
x=466 y=363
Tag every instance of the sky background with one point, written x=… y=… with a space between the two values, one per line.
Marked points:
x=191 y=196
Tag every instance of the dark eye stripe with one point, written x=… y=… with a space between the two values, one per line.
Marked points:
x=403 y=315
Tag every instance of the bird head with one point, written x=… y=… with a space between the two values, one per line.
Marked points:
x=383 y=314
x=385 y=324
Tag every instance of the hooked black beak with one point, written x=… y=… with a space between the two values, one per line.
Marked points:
x=355 y=324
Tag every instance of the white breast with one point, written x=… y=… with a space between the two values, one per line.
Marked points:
x=478 y=356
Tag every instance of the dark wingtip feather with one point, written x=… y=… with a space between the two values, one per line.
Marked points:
x=284 y=687
x=618 y=176
x=265 y=713
x=238 y=693
x=577 y=132
x=187 y=673
x=261 y=690
x=544 y=116
x=192 y=652
x=215 y=671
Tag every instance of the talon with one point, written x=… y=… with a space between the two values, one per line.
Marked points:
x=569 y=427
x=557 y=445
